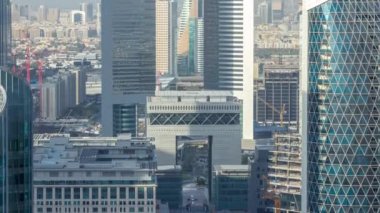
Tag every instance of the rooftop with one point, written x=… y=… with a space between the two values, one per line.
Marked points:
x=63 y=152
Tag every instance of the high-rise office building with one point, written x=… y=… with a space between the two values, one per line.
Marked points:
x=5 y=30
x=129 y=58
x=98 y=19
x=88 y=9
x=42 y=13
x=341 y=99
x=188 y=36
x=276 y=96
x=16 y=144
x=173 y=24
x=228 y=52
x=162 y=36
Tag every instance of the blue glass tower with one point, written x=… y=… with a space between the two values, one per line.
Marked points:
x=15 y=145
x=5 y=31
x=342 y=103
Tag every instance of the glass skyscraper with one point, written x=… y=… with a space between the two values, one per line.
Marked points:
x=128 y=59
x=4 y=30
x=15 y=145
x=341 y=106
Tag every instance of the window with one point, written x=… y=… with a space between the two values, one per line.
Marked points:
x=141 y=193
x=58 y=193
x=40 y=193
x=86 y=193
x=131 y=193
x=95 y=193
x=150 y=192
x=76 y=193
x=49 y=193
x=67 y=193
x=113 y=193
x=122 y=193
x=104 y=193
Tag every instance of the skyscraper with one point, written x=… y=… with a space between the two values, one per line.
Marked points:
x=129 y=60
x=187 y=36
x=88 y=9
x=5 y=31
x=16 y=144
x=341 y=100
x=162 y=36
x=228 y=52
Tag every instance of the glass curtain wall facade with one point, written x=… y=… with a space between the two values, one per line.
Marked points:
x=15 y=146
x=5 y=31
x=343 y=101
x=128 y=57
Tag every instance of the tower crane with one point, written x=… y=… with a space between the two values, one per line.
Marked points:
x=281 y=112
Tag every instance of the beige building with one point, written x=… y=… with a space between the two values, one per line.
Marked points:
x=162 y=36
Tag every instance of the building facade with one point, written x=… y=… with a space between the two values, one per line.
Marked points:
x=277 y=96
x=203 y=113
x=128 y=57
x=341 y=106
x=94 y=175
x=169 y=186
x=5 y=31
x=16 y=144
x=230 y=187
x=284 y=172
x=228 y=52
x=162 y=36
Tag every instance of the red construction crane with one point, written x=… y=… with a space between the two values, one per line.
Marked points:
x=40 y=81
x=28 y=64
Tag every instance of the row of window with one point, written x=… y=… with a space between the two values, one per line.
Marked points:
x=95 y=209
x=94 y=193
x=194 y=108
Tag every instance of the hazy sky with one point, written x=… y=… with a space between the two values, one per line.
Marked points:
x=67 y=4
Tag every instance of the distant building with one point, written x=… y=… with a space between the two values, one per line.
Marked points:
x=276 y=96
x=61 y=92
x=78 y=17
x=195 y=113
x=128 y=61
x=169 y=186
x=277 y=11
x=42 y=13
x=230 y=187
x=16 y=144
x=94 y=175
x=53 y=15
x=162 y=36
x=88 y=9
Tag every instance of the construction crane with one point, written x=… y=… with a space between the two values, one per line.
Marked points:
x=280 y=112
x=28 y=64
x=271 y=194
x=40 y=81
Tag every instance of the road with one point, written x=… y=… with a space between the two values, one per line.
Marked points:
x=199 y=195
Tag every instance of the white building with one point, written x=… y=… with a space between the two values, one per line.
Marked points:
x=198 y=113
x=94 y=175
x=78 y=17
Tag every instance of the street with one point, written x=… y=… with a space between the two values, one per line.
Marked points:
x=195 y=198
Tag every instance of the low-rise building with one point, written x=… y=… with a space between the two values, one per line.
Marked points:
x=230 y=187
x=169 y=186
x=172 y=114
x=94 y=175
